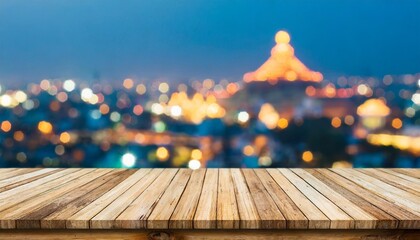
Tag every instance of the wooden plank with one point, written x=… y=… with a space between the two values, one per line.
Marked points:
x=227 y=208
x=248 y=213
x=415 y=173
x=183 y=214
x=391 y=193
x=33 y=205
x=339 y=219
x=81 y=186
x=13 y=172
x=16 y=181
x=270 y=215
x=393 y=180
x=116 y=234
x=62 y=210
x=412 y=178
x=159 y=218
x=384 y=220
x=316 y=219
x=363 y=220
x=19 y=194
x=81 y=218
x=205 y=215
x=106 y=217
x=136 y=214
x=6 y=172
x=406 y=218
x=294 y=216
x=212 y=199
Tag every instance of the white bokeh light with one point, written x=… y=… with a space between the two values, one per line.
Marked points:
x=128 y=160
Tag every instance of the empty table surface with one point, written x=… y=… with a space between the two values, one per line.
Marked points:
x=74 y=198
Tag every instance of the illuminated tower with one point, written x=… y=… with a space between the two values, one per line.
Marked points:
x=283 y=65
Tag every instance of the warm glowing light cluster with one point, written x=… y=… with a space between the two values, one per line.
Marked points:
x=373 y=108
x=194 y=109
x=407 y=143
x=12 y=99
x=269 y=116
x=373 y=113
x=283 y=64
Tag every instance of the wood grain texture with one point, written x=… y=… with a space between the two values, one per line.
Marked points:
x=223 y=200
x=183 y=214
x=205 y=215
x=210 y=234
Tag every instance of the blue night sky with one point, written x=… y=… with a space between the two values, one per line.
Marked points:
x=187 y=39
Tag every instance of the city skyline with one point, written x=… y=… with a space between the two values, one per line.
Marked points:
x=201 y=40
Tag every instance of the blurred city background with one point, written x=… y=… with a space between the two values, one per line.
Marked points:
x=85 y=84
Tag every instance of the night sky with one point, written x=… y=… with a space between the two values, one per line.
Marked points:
x=187 y=39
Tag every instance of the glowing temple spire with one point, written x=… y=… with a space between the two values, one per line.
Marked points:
x=283 y=64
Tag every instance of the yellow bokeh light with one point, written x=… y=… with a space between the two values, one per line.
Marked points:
x=45 y=127
x=162 y=154
x=65 y=137
x=282 y=123
x=307 y=156
x=282 y=37
x=196 y=154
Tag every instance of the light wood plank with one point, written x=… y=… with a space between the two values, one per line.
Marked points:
x=316 y=219
x=391 y=193
x=339 y=219
x=183 y=214
x=363 y=220
x=32 y=218
x=61 y=210
x=248 y=213
x=159 y=218
x=205 y=215
x=136 y=214
x=13 y=172
x=19 y=180
x=294 y=216
x=36 y=203
x=19 y=194
x=406 y=218
x=227 y=207
x=415 y=173
x=384 y=220
x=412 y=179
x=270 y=215
x=106 y=217
x=393 y=180
x=81 y=219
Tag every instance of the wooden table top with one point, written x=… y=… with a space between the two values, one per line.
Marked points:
x=77 y=198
